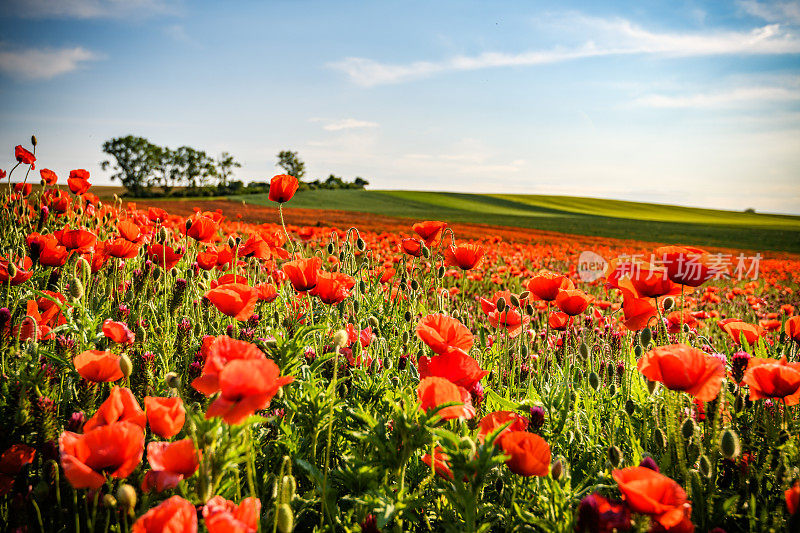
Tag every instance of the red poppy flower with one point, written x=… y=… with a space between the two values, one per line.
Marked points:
x=434 y=391
x=47 y=250
x=546 y=285
x=207 y=259
x=685 y=265
x=572 y=301
x=225 y=279
x=129 y=231
x=224 y=516
x=78 y=181
x=792 y=496
x=302 y=273
x=118 y=332
x=684 y=368
x=171 y=462
x=172 y=515
x=282 y=188
x=494 y=421
x=157 y=215
x=676 y=318
x=638 y=311
x=430 y=231
x=115 y=449
x=163 y=256
x=246 y=385
x=332 y=287
x=120 y=406
x=48 y=176
x=444 y=333
x=453 y=365
x=411 y=246
x=510 y=319
x=98 y=366
x=649 y=492
x=529 y=454
x=772 y=378
x=11 y=463
x=791 y=327
x=166 y=416
x=234 y=299
x=125 y=249
x=464 y=256
x=202 y=229
x=559 y=321
x=218 y=351
x=80 y=240
x=23 y=189
x=738 y=329
x=599 y=515
x=23 y=156
x=267 y=292
x=22 y=274
x=651 y=282
x=441 y=465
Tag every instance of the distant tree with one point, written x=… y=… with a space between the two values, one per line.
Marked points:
x=135 y=159
x=225 y=165
x=360 y=182
x=292 y=164
x=194 y=167
x=334 y=182
x=750 y=210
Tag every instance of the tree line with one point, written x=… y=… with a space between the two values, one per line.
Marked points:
x=146 y=169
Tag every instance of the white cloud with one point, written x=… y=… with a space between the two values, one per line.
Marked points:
x=43 y=63
x=730 y=98
x=610 y=37
x=179 y=34
x=344 y=124
x=783 y=12
x=90 y=9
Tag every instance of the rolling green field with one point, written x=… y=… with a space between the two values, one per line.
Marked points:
x=567 y=214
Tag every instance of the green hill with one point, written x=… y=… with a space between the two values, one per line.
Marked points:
x=567 y=214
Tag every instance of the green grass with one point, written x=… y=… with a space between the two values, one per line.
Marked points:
x=567 y=214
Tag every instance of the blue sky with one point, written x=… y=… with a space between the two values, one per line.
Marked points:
x=695 y=103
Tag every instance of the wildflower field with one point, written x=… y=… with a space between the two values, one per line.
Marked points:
x=203 y=371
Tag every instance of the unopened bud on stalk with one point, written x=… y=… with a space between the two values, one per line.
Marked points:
x=583 y=349
x=361 y=245
x=373 y=322
x=557 y=469
x=660 y=438
x=669 y=302
x=705 y=467
x=33 y=140
x=109 y=502
x=414 y=285
x=645 y=336
x=125 y=365
x=76 y=288
x=524 y=295
x=126 y=497
x=82 y=267
x=285 y=518
x=638 y=351
x=529 y=309
x=172 y=380
x=514 y=300
x=594 y=381
x=331 y=248
x=729 y=444
x=687 y=428
x=614 y=456
x=630 y=407
x=340 y=338
x=288 y=489
x=440 y=272
x=612 y=390
x=426 y=252
x=501 y=304
x=12 y=270
x=407 y=316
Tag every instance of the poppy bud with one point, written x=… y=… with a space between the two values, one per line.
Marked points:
x=652 y=386
x=729 y=444
x=288 y=489
x=330 y=248
x=426 y=252
x=556 y=470
x=33 y=140
x=638 y=351
x=705 y=467
x=594 y=381
x=12 y=270
x=660 y=438
x=387 y=363
x=162 y=233
x=126 y=497
x=414 y=285
x=285 y=518
x=362 y=286
x=649 y=462
x=109 y=502
x=614 y=456
x=630 y=407
x=361 y=245
x=529 y=309
x=76 y=288
x=402 y=285
x=612 y=390
x=583 y=349
x=523 y=351
x=340 y=338
x=501 y=304
x=172 y=380
x=373 y=322
x=407 y=316
x=514 y=300
x=125 y=365
x=524 y=295
x=669 y=301
x=687 y=428
x=645 y=336
x=440 y=272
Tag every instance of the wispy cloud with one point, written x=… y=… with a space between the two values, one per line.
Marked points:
x=178 y=33
x=731 y=98
x=782 y=12
x=613 y=37
x=43 y=63
x=90 y=9
x=344 y=124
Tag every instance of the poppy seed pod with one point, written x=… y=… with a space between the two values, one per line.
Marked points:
x=669 y=302
x=126 y=497
x=729 y=444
